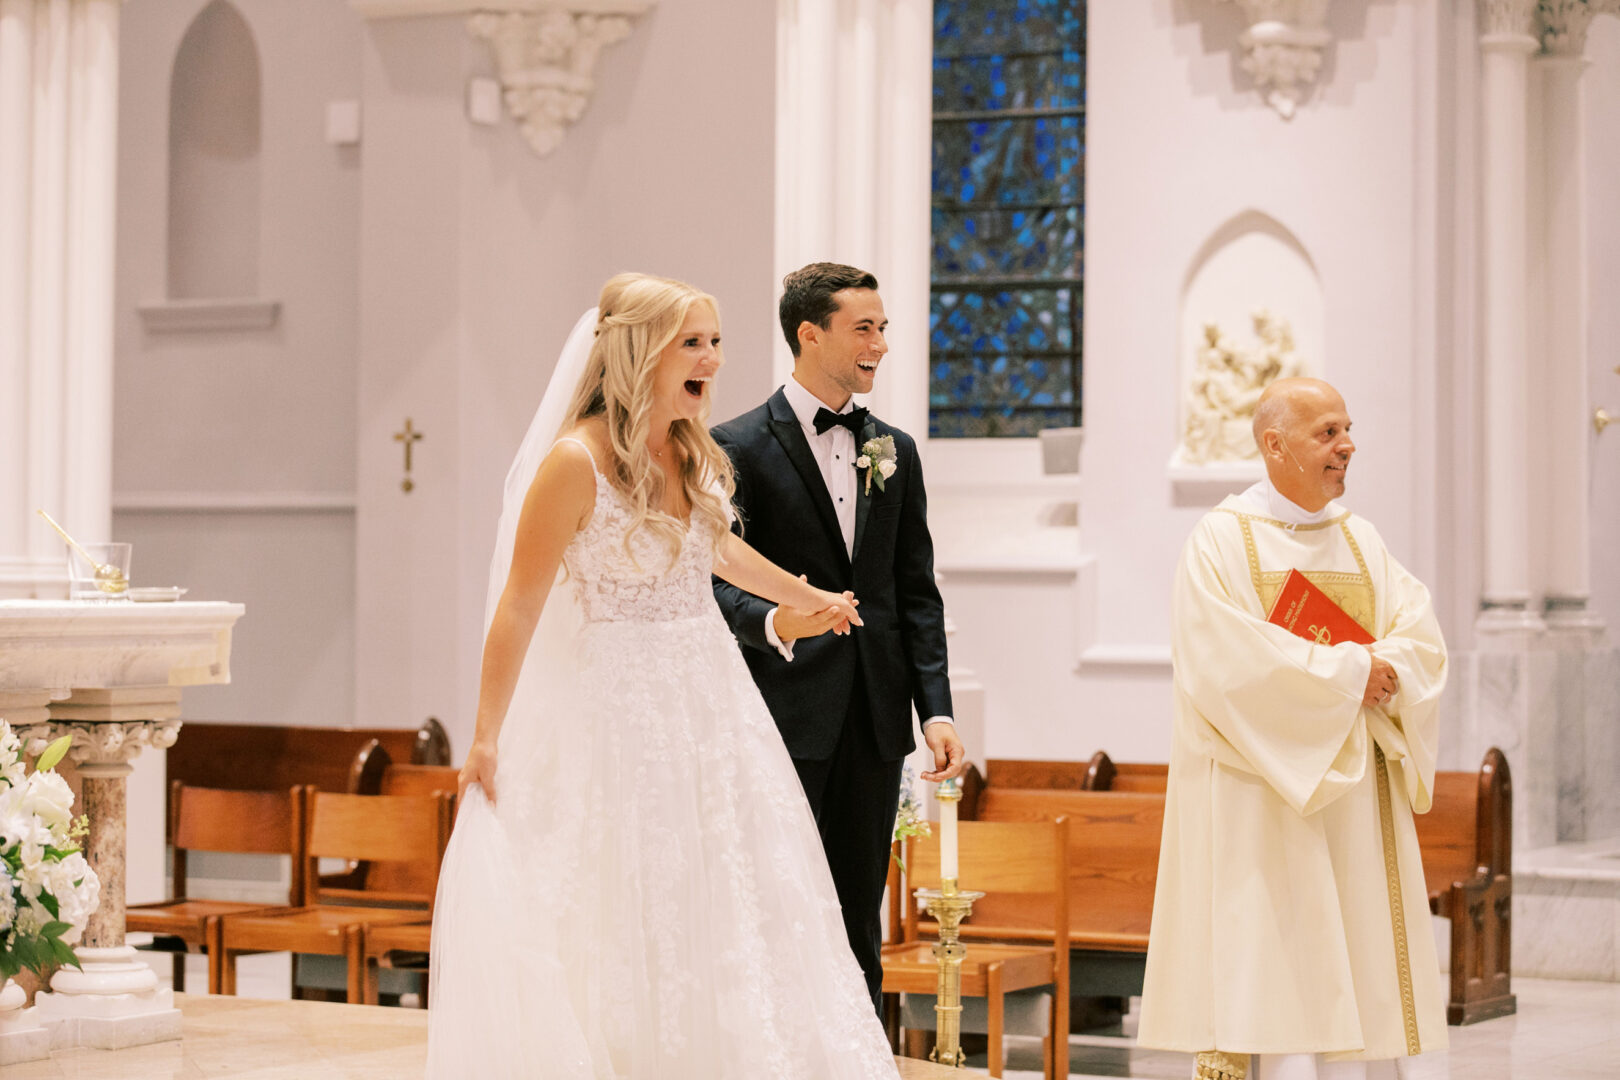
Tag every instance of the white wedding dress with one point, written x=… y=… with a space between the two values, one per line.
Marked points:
x=648 y=898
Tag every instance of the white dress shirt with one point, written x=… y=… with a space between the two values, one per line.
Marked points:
x=835 y=452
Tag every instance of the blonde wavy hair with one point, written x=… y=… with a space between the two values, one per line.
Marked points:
x=638 y=315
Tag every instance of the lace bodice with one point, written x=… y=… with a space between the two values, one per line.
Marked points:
x=614 y=587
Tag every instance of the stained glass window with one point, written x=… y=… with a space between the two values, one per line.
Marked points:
x=1009 y=172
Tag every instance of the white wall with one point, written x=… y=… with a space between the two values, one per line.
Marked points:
x=260 y=419
x=1357 y=176
x=233 y=452
x=477 y=256
x=1602 y=89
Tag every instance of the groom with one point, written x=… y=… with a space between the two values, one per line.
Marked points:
x=806 y=502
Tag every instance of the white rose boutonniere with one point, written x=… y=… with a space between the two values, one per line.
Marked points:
x=878 y=459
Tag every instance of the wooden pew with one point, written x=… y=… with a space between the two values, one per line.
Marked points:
x=1113 y=867
x=255 y=757
x=1467 y=844
x=1465 y=839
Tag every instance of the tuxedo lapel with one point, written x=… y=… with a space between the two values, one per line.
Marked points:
x=863 y=497
x=785 y=426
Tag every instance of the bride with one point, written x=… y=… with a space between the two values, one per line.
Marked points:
x=635 y=889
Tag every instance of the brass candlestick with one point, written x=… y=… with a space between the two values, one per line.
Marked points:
x=949 y=905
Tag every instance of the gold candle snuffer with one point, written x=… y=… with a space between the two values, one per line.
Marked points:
x=109 y=579
x=949 y=905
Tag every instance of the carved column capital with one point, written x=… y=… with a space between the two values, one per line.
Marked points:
x=547 y=65
x=1507 y=18
x=96 y=743
x=1284 y=42
x=1564 y=23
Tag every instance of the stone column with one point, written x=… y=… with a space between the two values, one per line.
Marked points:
x=59 y=143
x=1569 y=434
x=858 y=75
x=114 y=1000
x=1506 y=43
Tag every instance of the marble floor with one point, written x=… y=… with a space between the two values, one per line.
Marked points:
x=1564 y=1030
x=253 y=1039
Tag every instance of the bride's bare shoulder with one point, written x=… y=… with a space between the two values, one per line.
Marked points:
x=585 y=445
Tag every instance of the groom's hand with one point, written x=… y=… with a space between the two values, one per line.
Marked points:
x=950 y=756
x=791 y=623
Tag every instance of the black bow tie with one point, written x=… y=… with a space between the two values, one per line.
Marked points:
x=854 y=420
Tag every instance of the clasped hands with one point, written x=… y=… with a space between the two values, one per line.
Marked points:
x=792 y=623
x=1382 y=684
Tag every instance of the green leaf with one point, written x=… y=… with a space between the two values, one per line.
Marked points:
x=48 y=902
x=55 y=929
x=54 y=753
x=64 y=955
x=8 y=965
x=26 y=952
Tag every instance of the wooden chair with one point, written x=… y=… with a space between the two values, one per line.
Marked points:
x=379 y=829
x=402 y=946
x=1010 y=860
x=396 y=946
x=209 y=819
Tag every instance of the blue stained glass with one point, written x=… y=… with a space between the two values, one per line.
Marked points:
x=1009 y=320
x=1006 y=243
x=1025 y=160
x=1007 y=217
x=983 y=27
x=1018 y=82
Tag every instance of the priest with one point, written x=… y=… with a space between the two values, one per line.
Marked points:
x=1291 y=936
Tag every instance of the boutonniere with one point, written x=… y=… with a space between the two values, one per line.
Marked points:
x=877 y=458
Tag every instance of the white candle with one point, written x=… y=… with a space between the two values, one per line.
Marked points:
x=947 y=839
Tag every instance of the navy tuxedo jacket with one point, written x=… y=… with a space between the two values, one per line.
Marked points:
x=785 y=512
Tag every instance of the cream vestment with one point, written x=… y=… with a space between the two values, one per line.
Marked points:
x=1291 y=914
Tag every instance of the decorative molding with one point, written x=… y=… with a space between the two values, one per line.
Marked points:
x=1148 y=658
x=202 y=316
x=103 y=742
x=1507 y=18
x=1285 y=42
x=546 y=58
x=235 y=502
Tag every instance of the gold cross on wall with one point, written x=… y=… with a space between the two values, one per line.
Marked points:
x=409 y=437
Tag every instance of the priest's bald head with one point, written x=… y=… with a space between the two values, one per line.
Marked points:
x=1303 y=430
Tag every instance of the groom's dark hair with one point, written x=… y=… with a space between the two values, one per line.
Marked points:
x=807 y=296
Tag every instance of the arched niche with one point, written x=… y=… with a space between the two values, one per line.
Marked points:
x=214 y=159
x=1251 y=263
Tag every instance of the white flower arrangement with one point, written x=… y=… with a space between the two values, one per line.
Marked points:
x=878 y=459
x=908 y=818
x=47 y=890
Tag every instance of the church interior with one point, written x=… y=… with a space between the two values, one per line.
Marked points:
x=282 y=282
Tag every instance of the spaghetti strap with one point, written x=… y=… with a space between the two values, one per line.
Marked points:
x=584 y=446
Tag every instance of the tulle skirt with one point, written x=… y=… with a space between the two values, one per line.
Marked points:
x=647 y=899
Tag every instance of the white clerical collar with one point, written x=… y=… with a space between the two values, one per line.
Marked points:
x=1267 y=501
x=805 y=403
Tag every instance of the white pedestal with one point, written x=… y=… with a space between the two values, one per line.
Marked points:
x=114 y=1002
x=22 y=1037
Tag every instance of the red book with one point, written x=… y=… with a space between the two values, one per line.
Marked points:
x=1305 y=610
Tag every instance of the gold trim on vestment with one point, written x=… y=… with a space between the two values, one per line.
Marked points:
x=1219 y=1065
x=1353 y=592
x=1397 y=909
